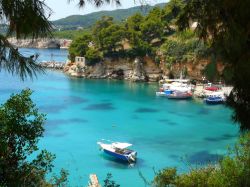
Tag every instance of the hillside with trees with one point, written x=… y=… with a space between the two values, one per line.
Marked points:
x=86 y=21
x=154 y=35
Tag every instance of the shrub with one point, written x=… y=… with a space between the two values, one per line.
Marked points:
x=232 y=171
x=93 y=56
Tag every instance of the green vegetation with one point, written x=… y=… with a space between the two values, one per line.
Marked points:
x=29 y=20
x=79 y=46
x=232 y=170
x=110 y=183
x=21 y=126
x=225 y=25
x=86 y=21
x=183 y=46
x=141 y=35
x=69 y=34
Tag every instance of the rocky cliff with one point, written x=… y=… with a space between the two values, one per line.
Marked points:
x=137 y=70
x=40 y=43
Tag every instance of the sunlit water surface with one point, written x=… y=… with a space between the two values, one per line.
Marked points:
x=164 y=132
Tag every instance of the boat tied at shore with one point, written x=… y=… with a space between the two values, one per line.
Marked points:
x=215 y=98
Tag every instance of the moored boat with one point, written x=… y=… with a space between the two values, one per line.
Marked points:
x=119 y=150
x=180 y=95
x=215 y=98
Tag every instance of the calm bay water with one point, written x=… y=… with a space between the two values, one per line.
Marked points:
x=47 y=55
x=164 y=132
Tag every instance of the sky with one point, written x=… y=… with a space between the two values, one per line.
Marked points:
x=62 y=8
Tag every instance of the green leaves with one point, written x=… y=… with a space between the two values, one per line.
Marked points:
x=25 y=19
x=21 y=126
x=79 y=46
x=225 y=25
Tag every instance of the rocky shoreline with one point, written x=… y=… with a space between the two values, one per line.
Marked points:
x=41 y=43
x=136 y=70
x=53 y=65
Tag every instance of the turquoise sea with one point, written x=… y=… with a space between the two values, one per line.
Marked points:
x=165 y=133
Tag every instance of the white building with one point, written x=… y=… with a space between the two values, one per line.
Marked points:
x=80 y=60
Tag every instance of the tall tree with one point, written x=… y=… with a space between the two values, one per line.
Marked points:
x=225 y=24
x=20 y=129
x=79 y=46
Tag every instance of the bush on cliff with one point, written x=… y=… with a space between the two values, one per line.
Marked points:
x=183 y=47
x=93 y=56
x=79 y=46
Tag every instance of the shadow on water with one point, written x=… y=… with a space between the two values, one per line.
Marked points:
x=146 y=110
x=55 y=134
x=101 y=106
x=52 y=108
x=74 y=100
x=203 y=157
x=57 y=122
x=167 y=122
x=221 y=138
x=203 y=111
x=51 y=125
x=117 y=163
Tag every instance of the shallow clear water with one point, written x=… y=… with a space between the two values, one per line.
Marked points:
x=164 y=132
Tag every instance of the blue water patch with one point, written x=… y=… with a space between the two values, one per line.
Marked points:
x=203 y=157
x=167 y=122
x=74 y=100
x=101 y=106
x=52 y=108
x=81 y=112
x=220 y=138
x=146 y=110
x=203 y=111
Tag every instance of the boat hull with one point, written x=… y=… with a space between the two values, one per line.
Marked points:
x=118 y=156
x=213 y=102
x=118 y=150
x=179 y=97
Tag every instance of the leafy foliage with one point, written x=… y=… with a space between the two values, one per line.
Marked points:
x=79 y=46
x=110 y=183
x=93 y=56
x=138 y=35
x=20 y=129
x=225 y=24
x=182 y=47
x=232 y=170
x=26 y=19
x=69 y=34
x=86 y=21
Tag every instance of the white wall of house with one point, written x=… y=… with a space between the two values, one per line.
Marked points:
x=80 y=60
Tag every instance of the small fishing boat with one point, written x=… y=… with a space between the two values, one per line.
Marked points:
x=214 y=100
x=119 y=150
